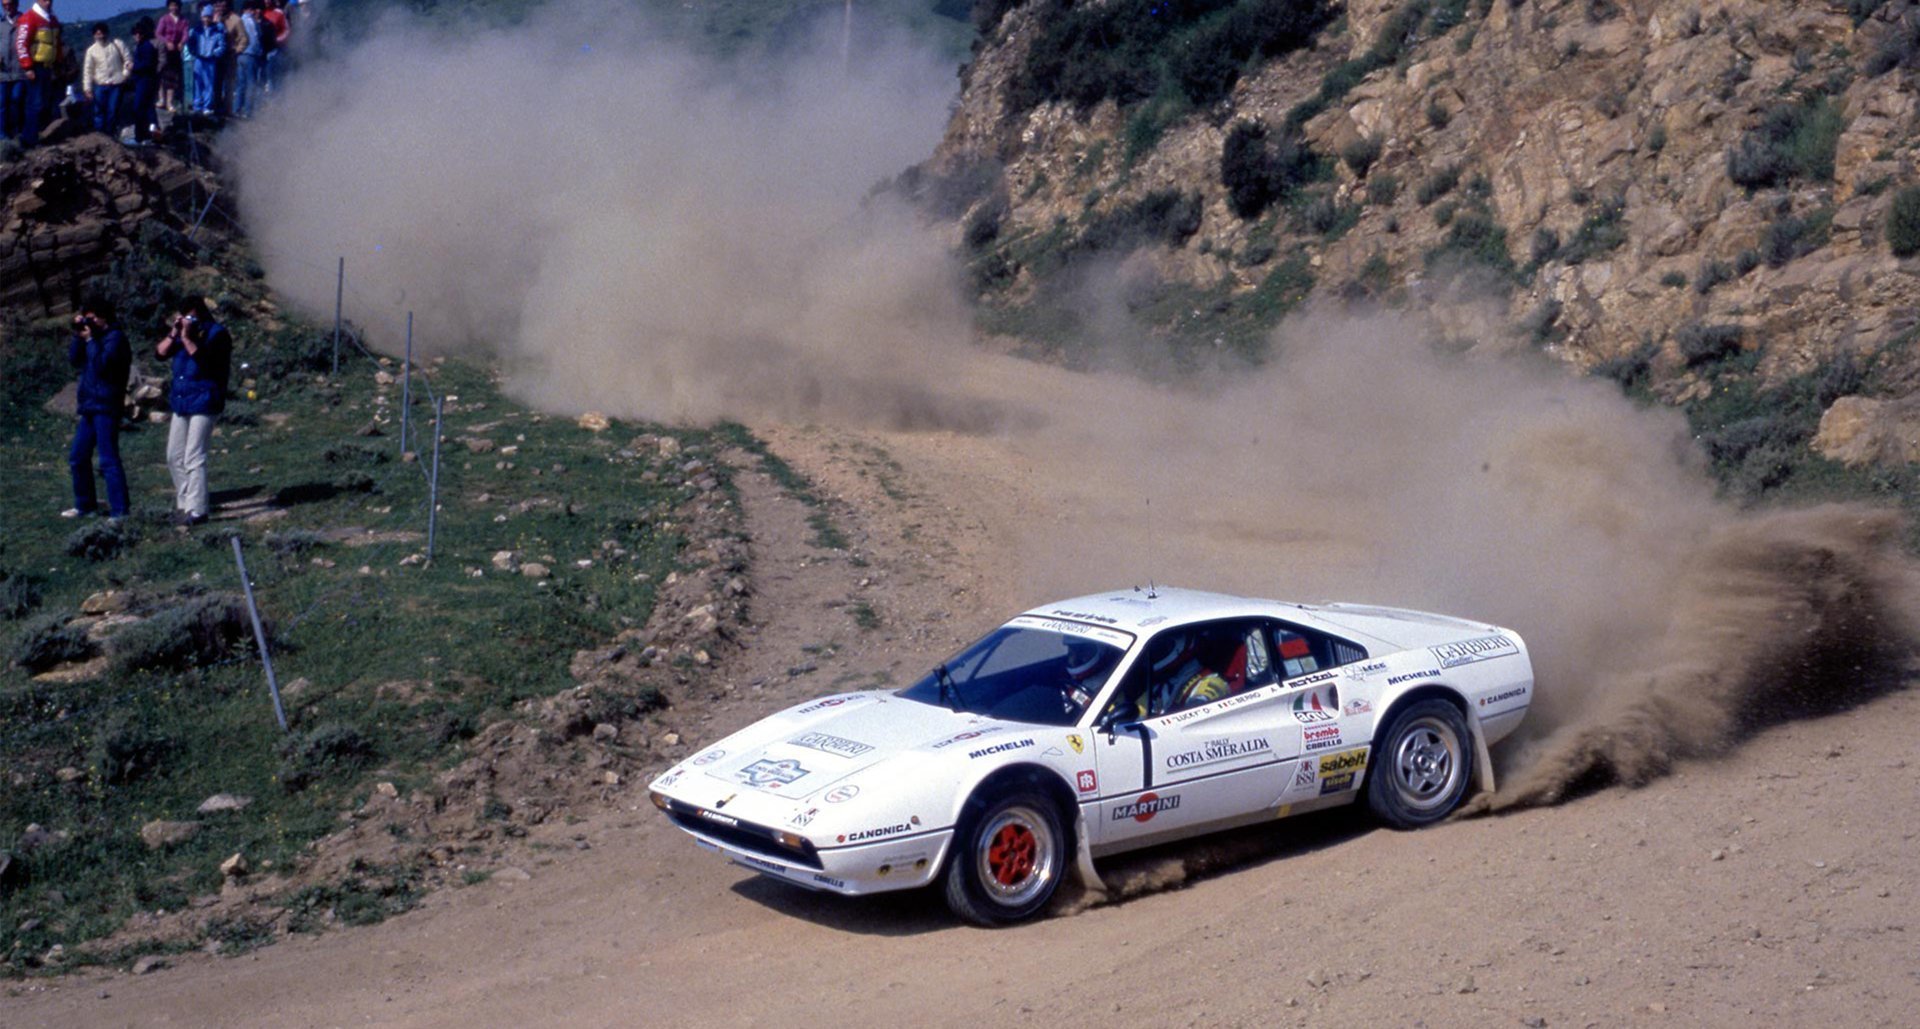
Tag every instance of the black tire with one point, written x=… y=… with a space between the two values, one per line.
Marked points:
x=1007 y=859
x=1421 y=766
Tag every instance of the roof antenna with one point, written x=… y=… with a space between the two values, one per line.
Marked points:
x=1152 y=594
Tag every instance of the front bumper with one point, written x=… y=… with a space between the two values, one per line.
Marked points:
x=902 y=863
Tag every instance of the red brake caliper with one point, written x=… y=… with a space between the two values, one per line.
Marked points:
x=1011 y=855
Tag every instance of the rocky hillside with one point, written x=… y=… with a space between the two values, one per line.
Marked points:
x=1683 y=194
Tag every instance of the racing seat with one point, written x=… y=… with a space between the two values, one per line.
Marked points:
x=1296 y=657
x=1236 y=670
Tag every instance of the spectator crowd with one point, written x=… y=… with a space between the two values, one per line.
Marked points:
x=210 y=61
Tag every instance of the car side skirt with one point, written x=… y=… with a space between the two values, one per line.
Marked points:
x=1269 y=814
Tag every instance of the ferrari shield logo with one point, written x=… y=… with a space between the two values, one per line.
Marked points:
x=769 y=774
x=1079 y=745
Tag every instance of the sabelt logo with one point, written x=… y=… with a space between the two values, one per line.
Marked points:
x=1000 y=748
x=1517 y=691
x=1345 y=761
x=1468 y=651
x=1218 y=750
x=1146 y=807
x=822 y=705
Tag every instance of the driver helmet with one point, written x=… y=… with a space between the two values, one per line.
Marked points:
x=1167 y=651
x=1083 y=656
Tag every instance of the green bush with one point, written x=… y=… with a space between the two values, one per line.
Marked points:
x=1475 y=237
x=1543 y=322
x=1712 y=273
x=610 y=706
x=1130 y=50
x=1674 y=280
x=19 y=595
x=1438 y=184
x=356 y=454
x=48 y=640
x=291 y=353
x=1400 y=30
x=128 y=750
x=1903 y=223
x=1632 y=369
x=1383 y=189
x=1793 y=237
x=1545 y=246
x=1794 y=141
x=1162 y=216
x=1900 y=49
x=1328 y=217
x=1260 y=168
x=335 y=750
x=102 y=540
x=192 y=632
x=1600 y=232
x=1360 y=154
x=294 y=542
x=1701 y=343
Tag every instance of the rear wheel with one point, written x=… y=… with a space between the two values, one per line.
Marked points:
x=1422 y=765
x=1007 y=859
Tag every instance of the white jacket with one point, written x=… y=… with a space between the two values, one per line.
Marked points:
x=108 y=64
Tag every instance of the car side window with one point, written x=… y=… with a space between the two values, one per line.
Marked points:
x=1303 y=651
x=1198 y=664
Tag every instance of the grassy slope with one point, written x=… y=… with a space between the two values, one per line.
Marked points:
x=470 y=645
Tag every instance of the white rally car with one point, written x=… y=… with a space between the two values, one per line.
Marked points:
x=1103 y=724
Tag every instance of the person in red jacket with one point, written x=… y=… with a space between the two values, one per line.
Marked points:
x=37 y=49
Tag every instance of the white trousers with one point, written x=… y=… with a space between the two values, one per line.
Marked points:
x=187 y=436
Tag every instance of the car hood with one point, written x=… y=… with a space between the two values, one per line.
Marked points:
x=807 y=749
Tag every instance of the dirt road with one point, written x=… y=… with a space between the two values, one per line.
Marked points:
x=1778 y=885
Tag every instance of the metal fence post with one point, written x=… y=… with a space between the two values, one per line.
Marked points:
x=433 y=479
x=339 y=294
x=260 y=635
x=406 y=388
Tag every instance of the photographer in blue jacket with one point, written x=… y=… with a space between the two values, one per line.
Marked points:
x=98 y=351
x=201 y=351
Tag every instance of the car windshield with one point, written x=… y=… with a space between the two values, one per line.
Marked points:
x=1029 y=670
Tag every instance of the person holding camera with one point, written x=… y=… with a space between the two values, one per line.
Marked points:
x=98 y=351
x=201 y=352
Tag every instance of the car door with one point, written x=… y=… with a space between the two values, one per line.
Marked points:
x=1216 y=741
x=1331 y=739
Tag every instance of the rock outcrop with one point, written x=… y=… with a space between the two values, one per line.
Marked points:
x=68 y=210
x=1620 y=149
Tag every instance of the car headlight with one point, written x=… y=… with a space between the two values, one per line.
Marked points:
x=792 y=840
x=660 y=800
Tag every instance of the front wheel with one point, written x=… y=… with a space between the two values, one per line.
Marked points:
x=1422 y=766
x=1007 y=859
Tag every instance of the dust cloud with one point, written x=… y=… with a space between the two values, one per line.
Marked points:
x=652 y=235
x=625 y=227
x=1369 y=464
